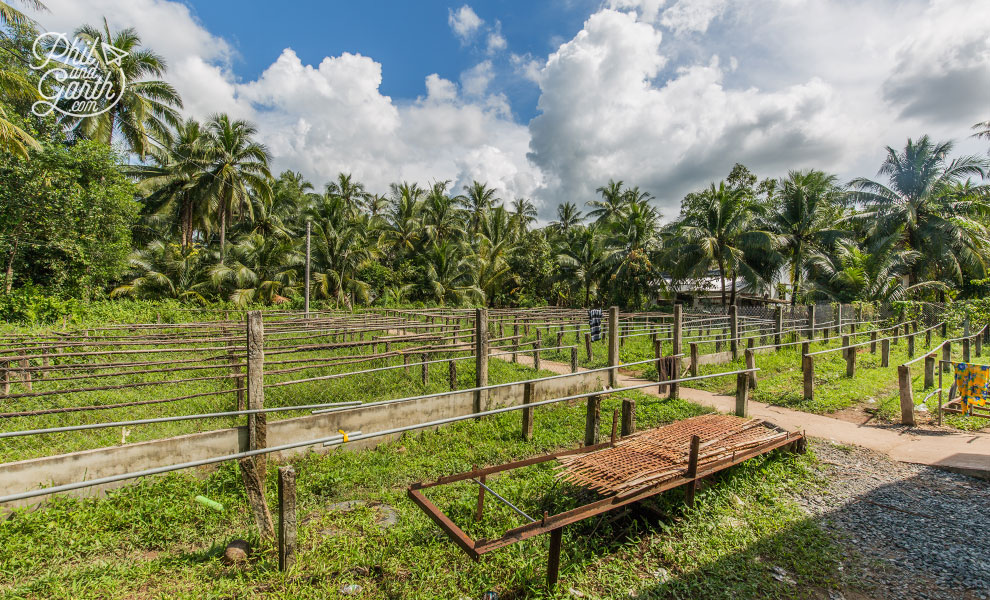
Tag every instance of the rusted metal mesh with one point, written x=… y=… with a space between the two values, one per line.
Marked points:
x=659 y=454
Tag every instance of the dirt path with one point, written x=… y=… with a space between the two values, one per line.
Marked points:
x=963 y=452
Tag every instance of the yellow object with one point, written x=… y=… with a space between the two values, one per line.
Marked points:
x=343 y=433
x=973 y=384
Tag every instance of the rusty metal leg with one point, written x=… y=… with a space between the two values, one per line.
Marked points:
x=481 y=498
x=553 y=560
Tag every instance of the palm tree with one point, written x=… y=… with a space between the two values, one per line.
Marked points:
x=584 y=259
x=441 y=217
x=147 y=107
x=450 y=274
x=807 y=207
x=163 y=270
x=401 y=229
x=982 y=130
x=478 y=199
x=922 y=203
x=568 y=217
x=238 y=166
x=613 y=199
x=873 y=274
x=523 y=215
x=352 y=192
x=341 y=249
x=15 y=139
x=720 y=230
x=633 y=239
x=495 y=239
x=170 y=181
x=260 y=269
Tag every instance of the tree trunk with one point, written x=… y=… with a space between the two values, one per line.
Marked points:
x=9 y=276
x=732 y=299
x=223 y=233
x=721 y=276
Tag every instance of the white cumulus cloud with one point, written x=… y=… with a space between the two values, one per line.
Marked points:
x=464 y=21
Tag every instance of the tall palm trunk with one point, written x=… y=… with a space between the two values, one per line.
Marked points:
x=9 y=275
x=721 y=276
x=732 y=299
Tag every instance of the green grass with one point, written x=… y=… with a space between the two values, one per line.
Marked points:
x=151 y=540
x=367 y=387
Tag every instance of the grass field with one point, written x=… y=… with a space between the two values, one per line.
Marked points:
x=152 y=540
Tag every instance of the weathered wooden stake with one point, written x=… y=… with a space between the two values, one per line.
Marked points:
x=692 y=471
x=885 y=352
x=965 y=350
x=929 y=371
x=808 y=367
x=751 y=364
x=811 y=321
x=628 y=417
x=452 y=374
x=733 y=331
x=592 y=420
x=873 y=342
x=906 y=393
x=677 y=337
x=254 y=486
x=587 y=346
x=742 y=394
x=574 y=359
x=778 y=327
x=536 y=350
x=286 y=517
x=947 y=356
x=529 y=390
x=257 y=422
x=694 y=359
x=426 y=368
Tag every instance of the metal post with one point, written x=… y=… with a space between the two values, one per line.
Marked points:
x=480 y=357
x=613 y=346
x=733 y=331
x=309 y=227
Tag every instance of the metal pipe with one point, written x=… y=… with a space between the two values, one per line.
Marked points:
x=505 y=502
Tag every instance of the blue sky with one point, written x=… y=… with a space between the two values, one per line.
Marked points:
x=411 y=39
x=550 y=100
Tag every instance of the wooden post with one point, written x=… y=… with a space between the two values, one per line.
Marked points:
x=574 y=359
x=254 y=486
x=592 y=420
x=426 y=368
x=811 y=321
x=929 y=371
x=965 y=350
x=613 y=346
x=928 y=338
x=978 y=342
x=309 y=227
x=808 y=366
x=257 y=422
x=694 y=359
x=692 y=471
x=850 y=358
x=286 y=517
x=751 y=364
x=885 y=352
x=481 y=497
x=910 y=340
x=658 y=354
x=873 y=342
x=742 y=394
x=480 y=358
x=587 y=346
x=677 y=336
x=947 y=356
x=560 y=339
x=26 y=374
x=907 y=394
x=536 y=350
x=452 y=374
x=529 y=389
x=733 y=331
x=628 y=417
x=515 y=342
x=5 y=376
x=778 y=327
x=553 y=560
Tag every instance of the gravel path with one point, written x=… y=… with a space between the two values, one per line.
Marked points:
x=912 y=531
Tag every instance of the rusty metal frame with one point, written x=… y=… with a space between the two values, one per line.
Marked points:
x=554 y=523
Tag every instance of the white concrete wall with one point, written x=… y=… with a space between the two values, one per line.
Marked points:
x=30 y=474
